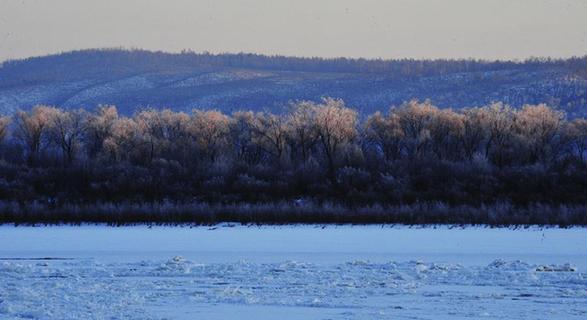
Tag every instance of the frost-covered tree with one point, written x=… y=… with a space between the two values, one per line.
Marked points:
x=270 y=134
x=32 y=129
x=124 y=140
x=241 y=129
x=210 y=131
x=336 y=125
x=174 y=139
x=66 y=130
x=446 y=131
x=386 y=134
x=99 y=128
x=575 y=133
x=4 y=123
x=539 y=127
x=149 y=124
x=475 y=131
x=414 y=118
x=500 y=131
x=301 y=128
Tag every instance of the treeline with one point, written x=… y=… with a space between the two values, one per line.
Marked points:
x=416 y=159
x=119 y=62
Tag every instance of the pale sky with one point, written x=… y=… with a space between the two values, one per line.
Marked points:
x=490 y=29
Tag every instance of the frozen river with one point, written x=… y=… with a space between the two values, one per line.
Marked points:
x=292 y=272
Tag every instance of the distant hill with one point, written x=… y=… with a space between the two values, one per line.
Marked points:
x=131 y=79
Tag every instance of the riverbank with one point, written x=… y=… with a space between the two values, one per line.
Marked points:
x=290 y=212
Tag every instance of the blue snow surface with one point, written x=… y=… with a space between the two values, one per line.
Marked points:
x=292 y=272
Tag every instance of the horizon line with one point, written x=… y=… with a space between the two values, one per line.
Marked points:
x=220 y=53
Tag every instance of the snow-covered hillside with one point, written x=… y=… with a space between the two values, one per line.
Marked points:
x=293 y=272
x=136 y=79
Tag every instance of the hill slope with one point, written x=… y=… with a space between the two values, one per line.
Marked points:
x=228 y=82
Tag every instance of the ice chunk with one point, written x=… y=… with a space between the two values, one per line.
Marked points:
x=567 y=267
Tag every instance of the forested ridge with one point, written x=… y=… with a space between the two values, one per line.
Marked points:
x=319 y=162
x=131 y=79
x=143 y=60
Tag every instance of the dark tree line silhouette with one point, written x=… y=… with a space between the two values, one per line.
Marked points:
x=118 y=61
x=319 y=162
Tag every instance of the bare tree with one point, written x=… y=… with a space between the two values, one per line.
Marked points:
x=500 y=125
x=99 y=128
x=32 y=129
x=174 y=142
x=301 y=128
x=539 y=127
x=4 y=123
x=415 y=118
x=210 y=131
x=337 y=127
x=385 y=133
x=124 y=140
x=149 y=123
x=446 y=130
x=241 y=135
x=576 y=134
x=4 y=130
x=270 y=134
x=66 y=129
x=475 y=125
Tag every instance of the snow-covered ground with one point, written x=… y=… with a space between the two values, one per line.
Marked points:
x=292 y=272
